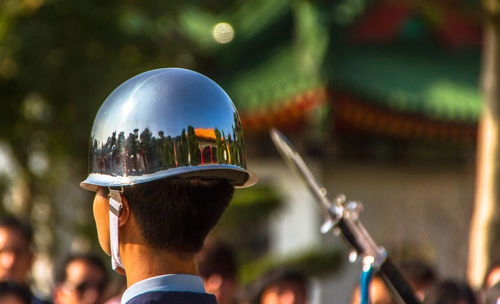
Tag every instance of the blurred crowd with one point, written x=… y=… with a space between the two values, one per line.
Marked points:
x=84 y=278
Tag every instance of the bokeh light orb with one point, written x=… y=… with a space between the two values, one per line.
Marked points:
x=223 y=32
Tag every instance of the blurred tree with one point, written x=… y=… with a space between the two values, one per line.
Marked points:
x=58 y=61
x=243 y=224
x=484 y=239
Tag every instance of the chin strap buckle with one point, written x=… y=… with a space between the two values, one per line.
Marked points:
x=115 y=207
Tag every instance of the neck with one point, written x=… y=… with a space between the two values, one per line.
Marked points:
x=142 y=262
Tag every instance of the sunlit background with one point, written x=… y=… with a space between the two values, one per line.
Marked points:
x=381 y=97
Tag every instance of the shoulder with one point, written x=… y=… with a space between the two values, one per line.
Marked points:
x=173 y=297
x=35 y=300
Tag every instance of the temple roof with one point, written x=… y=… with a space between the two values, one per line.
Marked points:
x=289 y=57
x=416 y=79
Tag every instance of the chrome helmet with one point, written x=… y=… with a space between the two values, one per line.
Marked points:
x=163 y=123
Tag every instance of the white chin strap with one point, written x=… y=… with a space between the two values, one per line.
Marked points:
x=115 y=206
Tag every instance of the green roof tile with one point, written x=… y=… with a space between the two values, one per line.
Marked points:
x=437 y=83
x=280 y=77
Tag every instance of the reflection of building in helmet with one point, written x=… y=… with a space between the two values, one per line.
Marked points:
x=152 y=127
x=216 y=148
x=208 y=145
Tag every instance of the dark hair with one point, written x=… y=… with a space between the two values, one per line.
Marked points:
x=216 y=258
x=15 y=289
x=418 y=273
x=278 y=276
x=492 y=294
x=90 y=258
x=23 y=227
x=177 y=214
x=450 y=292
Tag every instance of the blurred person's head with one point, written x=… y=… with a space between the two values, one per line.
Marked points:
x=81 y=279
x=217 y=267
x=492 y=294
x=492 y=275
x=16 y=252
x=450 y=292
x=14 y=293
x=283 y=286
x=420 y=275
x=379 y=293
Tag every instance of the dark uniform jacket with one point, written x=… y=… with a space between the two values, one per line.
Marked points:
x=173 y=297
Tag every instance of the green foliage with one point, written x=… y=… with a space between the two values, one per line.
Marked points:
x=243 y=223
x=252 y=205
x=346 y=12
x=312 y=263
x=58 y=62
x=244 y=226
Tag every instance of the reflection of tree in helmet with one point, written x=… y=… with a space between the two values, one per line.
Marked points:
x=112 y=155
x=108 y=151
x=193 y=148
x=167 y=151
x=182 y=149
x=144 y=151
x=220 y=148
x=226 y=145
x=121 y=155
x=163 y=150
x=95 y=155
x=231 y=148
x=132 y=146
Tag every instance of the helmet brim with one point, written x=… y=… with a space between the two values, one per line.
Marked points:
x=238 y=177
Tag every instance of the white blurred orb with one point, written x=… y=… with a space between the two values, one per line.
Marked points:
x=223 y=32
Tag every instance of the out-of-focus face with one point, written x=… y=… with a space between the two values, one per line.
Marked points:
x=379 y=293
x=493 y=278
x=284 y=293
x=101 y=216
x=85 y=284
x=11 y=299
x=16 y=256
x=222 y=287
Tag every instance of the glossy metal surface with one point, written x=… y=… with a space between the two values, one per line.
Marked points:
x=167 y=122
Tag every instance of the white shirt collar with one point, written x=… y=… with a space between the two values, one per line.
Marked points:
x=169 y=282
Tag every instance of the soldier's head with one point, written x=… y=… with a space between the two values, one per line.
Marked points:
x=166 y=153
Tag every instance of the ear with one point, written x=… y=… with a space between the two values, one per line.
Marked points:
x=124 y=213
x=213 y=283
